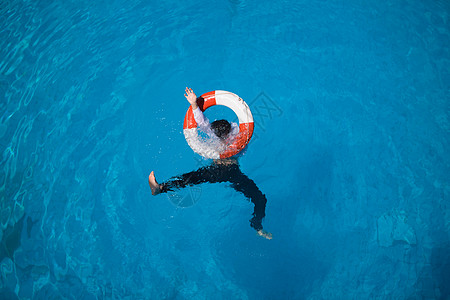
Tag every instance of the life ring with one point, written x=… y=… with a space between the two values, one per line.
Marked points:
x=239 y=107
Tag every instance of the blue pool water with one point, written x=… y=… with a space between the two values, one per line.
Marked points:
x=351 y=101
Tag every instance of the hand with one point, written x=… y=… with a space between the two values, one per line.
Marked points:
x=265 y=234
x=191 y=97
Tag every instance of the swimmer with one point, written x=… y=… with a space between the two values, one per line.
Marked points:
x=221 y=170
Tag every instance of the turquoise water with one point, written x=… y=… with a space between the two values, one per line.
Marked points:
x=351 y=101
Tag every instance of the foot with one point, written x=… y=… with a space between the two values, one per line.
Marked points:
x=154 y=186
x=265 y=234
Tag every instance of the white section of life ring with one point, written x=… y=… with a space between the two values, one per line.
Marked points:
x=233 y=101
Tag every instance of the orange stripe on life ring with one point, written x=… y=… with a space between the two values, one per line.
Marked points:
x=241 y=140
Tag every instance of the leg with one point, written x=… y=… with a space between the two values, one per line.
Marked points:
x=243 y=184
x=210 y=174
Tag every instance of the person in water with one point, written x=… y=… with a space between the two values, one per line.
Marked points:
x=221 y=170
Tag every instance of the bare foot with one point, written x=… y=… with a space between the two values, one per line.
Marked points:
x=154 y=186
x=265 y=234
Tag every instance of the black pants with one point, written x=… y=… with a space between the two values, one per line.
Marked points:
x=224 y=173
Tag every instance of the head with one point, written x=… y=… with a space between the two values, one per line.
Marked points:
x=221 y=128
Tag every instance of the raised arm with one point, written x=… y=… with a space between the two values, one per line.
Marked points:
x=202 y=121
x=191 y=98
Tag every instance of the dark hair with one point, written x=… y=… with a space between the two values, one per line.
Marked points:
x=221 y=128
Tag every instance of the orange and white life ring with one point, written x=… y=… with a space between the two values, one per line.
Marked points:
x=229 y=100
